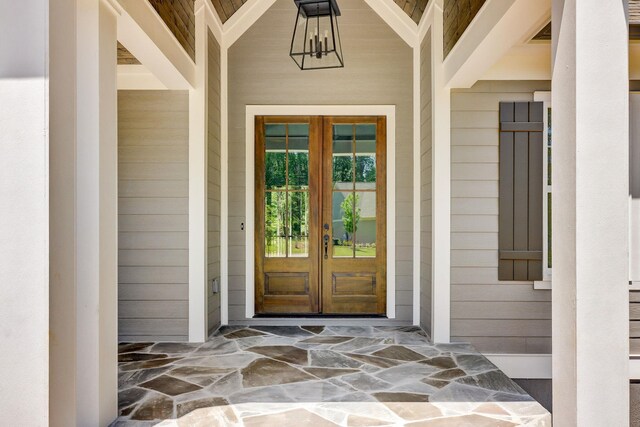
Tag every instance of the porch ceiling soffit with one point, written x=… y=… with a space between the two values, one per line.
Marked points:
x=146 y=36
x=498 y=26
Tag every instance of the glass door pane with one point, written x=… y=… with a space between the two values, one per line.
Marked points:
x=286 y=215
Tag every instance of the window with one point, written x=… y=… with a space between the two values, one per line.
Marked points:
x=545 y=97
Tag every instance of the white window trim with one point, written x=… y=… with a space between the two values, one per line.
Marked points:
x=545 y=283
x=389 y=111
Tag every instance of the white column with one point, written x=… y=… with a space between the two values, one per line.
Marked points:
x=441 y=187
x=62 y=215
x=24 y=211
x=590 y=93
x=96 y=212
x=198 y=154
x=83 y=213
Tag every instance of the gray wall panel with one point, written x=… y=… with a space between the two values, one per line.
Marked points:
x=153 y=204
x=495 y=316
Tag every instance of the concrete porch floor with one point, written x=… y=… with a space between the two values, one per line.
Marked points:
x=320 y=376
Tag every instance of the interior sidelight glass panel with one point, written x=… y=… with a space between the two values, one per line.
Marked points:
x=342 y=224
x=275 y=215
x=343 y=156
x=365 y=224
x=298 y=220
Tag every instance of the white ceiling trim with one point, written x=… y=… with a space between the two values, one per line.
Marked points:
x=243 y=19
x=426 y=21
x=498 y=26
x=395 y=18
x=211 y=18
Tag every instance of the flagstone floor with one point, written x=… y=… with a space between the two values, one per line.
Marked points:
x=319 y=376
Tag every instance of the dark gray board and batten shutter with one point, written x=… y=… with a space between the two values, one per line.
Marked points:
x=521 y=157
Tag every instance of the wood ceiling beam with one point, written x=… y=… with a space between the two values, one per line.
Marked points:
x=144 y=34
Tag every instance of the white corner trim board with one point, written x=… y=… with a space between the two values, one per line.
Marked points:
x=389 y=111
x=417 y=188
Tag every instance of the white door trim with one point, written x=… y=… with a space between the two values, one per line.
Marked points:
x=320 y=110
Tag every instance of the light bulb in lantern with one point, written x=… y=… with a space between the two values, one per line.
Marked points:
x=326 y=42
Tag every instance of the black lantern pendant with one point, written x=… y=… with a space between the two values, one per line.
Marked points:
x=316 y=39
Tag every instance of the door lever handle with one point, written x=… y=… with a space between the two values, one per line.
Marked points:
x=326 y=246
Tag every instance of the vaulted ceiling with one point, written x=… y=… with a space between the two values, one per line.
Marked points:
x=179 y=17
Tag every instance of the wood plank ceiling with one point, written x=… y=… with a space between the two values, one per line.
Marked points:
x=226 y=8
x=125 y=57
x=413 y=8
x=179 y=15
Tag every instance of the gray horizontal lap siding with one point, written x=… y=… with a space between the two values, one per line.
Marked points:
x=261 y=73
x=153 y=222
x=425 y=183
x=213 y=182
x=495 y=316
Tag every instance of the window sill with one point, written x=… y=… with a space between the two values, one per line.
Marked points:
x=542 y=284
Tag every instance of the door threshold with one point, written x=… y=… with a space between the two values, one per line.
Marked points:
x=320 y=316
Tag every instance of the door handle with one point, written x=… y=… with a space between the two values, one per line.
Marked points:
x=326 y=246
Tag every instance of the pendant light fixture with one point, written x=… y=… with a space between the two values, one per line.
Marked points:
x=316 y=39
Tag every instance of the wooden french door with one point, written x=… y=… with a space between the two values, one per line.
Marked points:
x=320 y=245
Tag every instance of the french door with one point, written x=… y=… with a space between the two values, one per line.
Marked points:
x=320 y=206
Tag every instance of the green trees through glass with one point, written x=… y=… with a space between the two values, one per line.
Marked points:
x=350 y=214
x=354 y=190
x=286 y=209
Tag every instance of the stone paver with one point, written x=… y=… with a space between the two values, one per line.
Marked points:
x=315 y=375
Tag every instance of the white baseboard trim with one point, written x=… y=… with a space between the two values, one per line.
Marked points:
x=538 y=366
x=530 y=366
